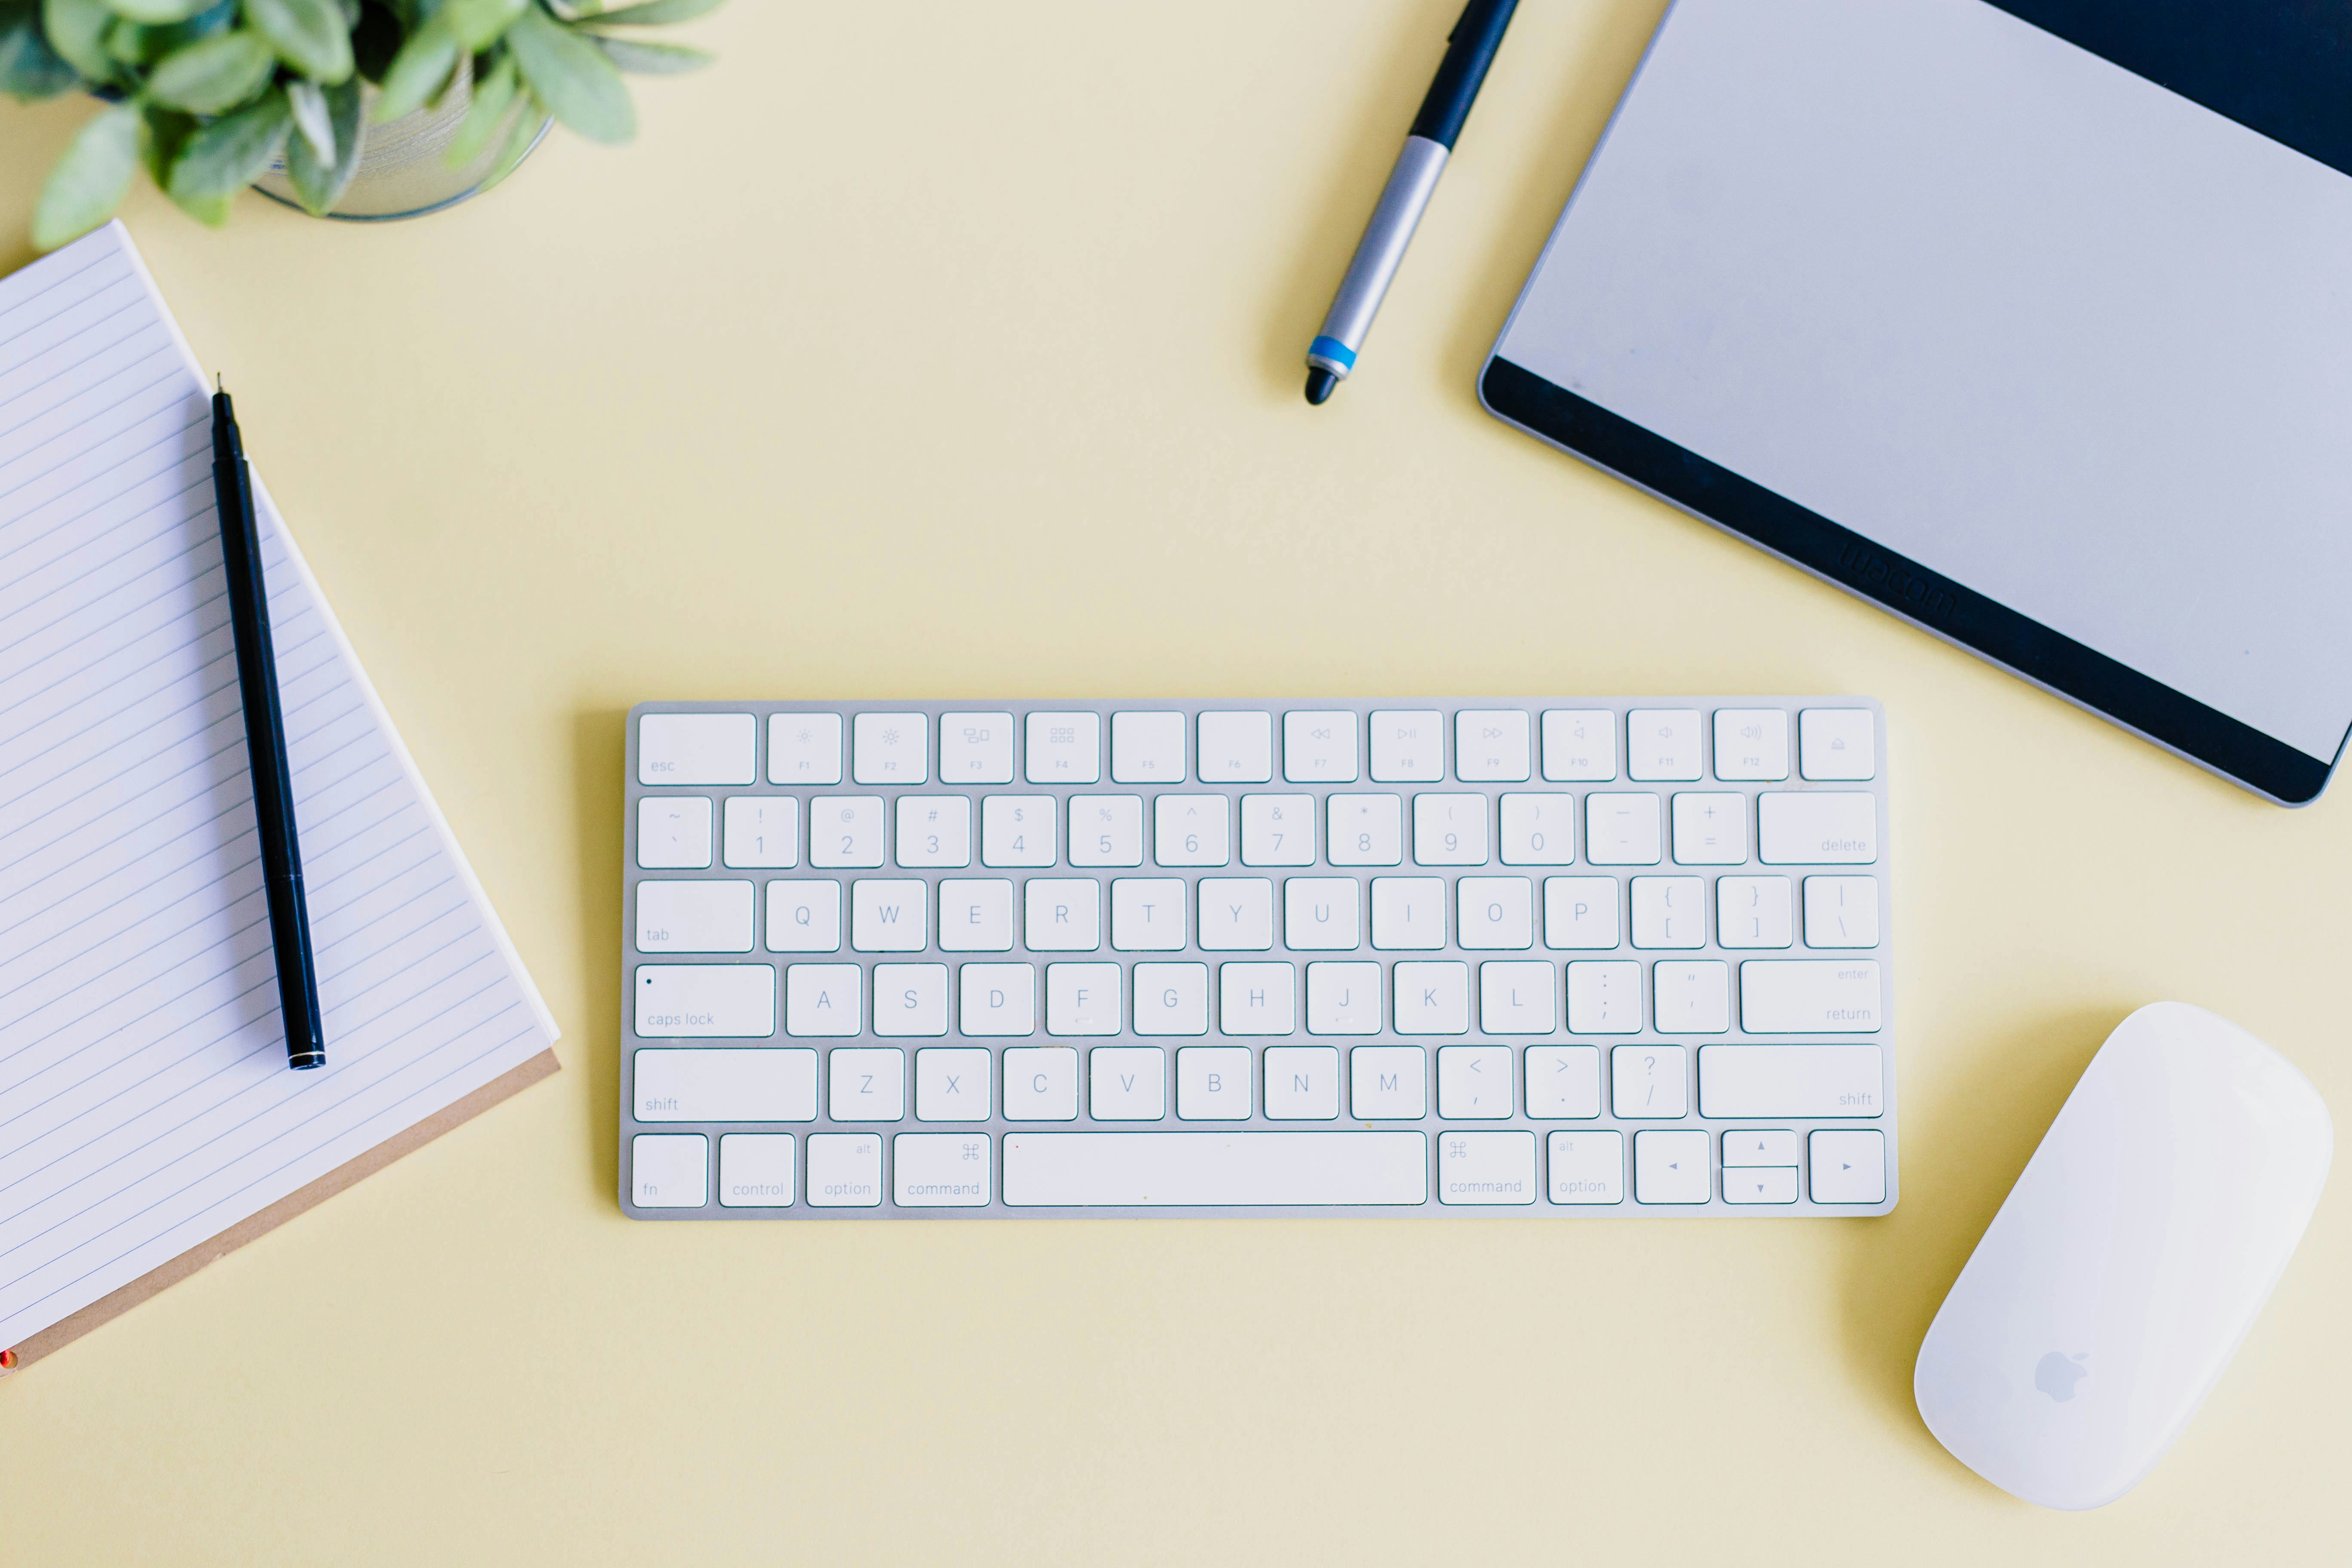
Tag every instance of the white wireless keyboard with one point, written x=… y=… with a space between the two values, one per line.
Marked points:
x=1536 y=956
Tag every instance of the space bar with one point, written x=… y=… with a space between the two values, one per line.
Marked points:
x=1213 y=1170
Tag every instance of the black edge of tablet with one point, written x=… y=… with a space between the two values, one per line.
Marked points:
x=1935 y=603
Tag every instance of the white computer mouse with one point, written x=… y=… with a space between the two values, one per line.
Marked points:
x=2128 y=1261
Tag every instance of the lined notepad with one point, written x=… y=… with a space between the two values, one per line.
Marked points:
x=146 y=1103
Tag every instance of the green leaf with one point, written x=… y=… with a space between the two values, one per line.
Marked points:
x=312 y=121
x=530 y=116
x=230 y=153
x=29 y=68
x=156 y=13
x=417 y=72
x=77 y=30
x=168 y=131
x=651 y=59
x=214 y=76
x=493 y=94
x=652 y=13
x=572 y=77
x=321 y=183
x=308 y=34
x=89 y=181
x=479 y=24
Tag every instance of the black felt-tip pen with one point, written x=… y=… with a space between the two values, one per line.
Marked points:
x=265 y=743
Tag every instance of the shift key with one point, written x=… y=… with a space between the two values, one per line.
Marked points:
x=1810 y=996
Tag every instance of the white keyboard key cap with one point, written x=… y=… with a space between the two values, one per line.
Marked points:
x=1190 y=830
x=1449 y=830
x=1474 y=1083
x=1669 y=911
x=1106 y=830
x=674 y=832
x=1277 y=830
x=1236 y=914
x=951 y=1085
x=1408 y=913
x=1581 y=912
x=1621 y=829
x=1671 y=1167
x=1539 y=830
x=1495 y=912
x=1586 y=1167
x=804 y=749
x=997 y=999
x=669 y=1170
x=1146 y=914
x=1365 y=829
x=1486 y=1168
x=823 y=999
x=1257 y=999
x=1083 y=999
x=1518 y=996
x=1235 y=748
x=975 y=748
x=1691 y=997
x=1302 y=1083
x=890 y=749
x=1062 y=914
x=1837 y=743
x=1147 y=748
x=939 y=1170
x=1213 y=1083
x=1016 y=830
x=1796 y=1082
x=975 y=914
x=1343 y=998
x=697 y=748
x=705 y=1001
x=910 y=1000
x=1829 y=828
x=1433 y=998
x=1041 y=1083
x=1127 y=1083
x=1765 y=1184
x=1490 y=746
x=694 y=917
x=1408 y=746
x=1751 y=743
x=1754 y=1146
x=845 y=1170
x=756 y=1170
x=1710 y=829
x=1752 y=912
x=934 y=830
x=1171 y=999
x=1580 y=745
x=1841 y=911
x=736 y=1083
x=1604 y=997
x=1848 y=1167
x=869 y=1084
x=1319 y=747
x=1065 y=748
x=892 y=915
x=1810 y=996
x=803 y=917
x=763 y=831
x=1321 y=914
x=1563 y=1083
x=845 y=830
x=1649 y=1083
x=1388 y=1083
x=1662 y=743
x=1215 y=1170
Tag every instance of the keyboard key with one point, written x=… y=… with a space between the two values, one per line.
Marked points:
x=1649 y=1083
x=1848 y=1167
x=1083 y=999
x=1669 y=911
x=1319 y=747
x=1366 y=829
x=755 y=1170
x=762 y=831
x=694 y=917
x=803 y=917
x=997 y=999
x=1828 y=828
x=1343 y=998
x=1146 y=748
x=1691 y=998
x=845 y=1170
x=845 y=830
x=1621 y=829
x=705 y=1001
x=939 y=1170
x=1474 y=1083
x=1587 y=1167
x=1062 y=914
x=1518 y=997
x=1215 y=1170
x=1127 y=1083
x=1409 y=746
x=804 y=749
x=1750 y=1146
x=1213 y=1083
x=1764 y=1185
x=1837 y=743
x=1671 y=1167
x=1041 y=1083
x=697 y=749
x=1449 y=829
x=1433 y=998
x=1065 y=748
x=1190 y=830
x=1388 y=1083
x=1409 y=912
x=1321 y=914
x=1495 y=912
x=1490 y=746
x=1257 y=999
x=910 y=1000
x=1302 y=1083
x=1146 y=914
x=975 y=914
x=1172 y=998
x=1789 y=1080
x=870 y=1084
x=1581 y=912
x=1752 y=912
x=674 y=832
x=1802 y=997
x=1237 y=748
x=669 y=1170
x=1486 y=1168
x=1016 y=830
x=1539 y=830
x=1662 y=743
x=1106 y=830
x=1604 y=997
x=1751 y=743
x=951 y=1083
x=737 y=1083
x=934 y=830
x=1841 y=911
x=1236 y=914
x=892 y=916
x=1563 y=1083
x=1277 y=830
x=1710 y=829
x=1580 y=745
x=890 y=749
x=975 y=748
x=823 y=999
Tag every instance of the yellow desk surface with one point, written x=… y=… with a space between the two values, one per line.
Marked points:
x=949 y=351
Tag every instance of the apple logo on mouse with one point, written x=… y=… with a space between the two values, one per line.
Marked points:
x=2056 y=1374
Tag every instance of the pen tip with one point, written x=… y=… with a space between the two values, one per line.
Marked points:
x=1319 y=382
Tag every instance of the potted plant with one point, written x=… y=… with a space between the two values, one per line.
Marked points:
x=215 y=95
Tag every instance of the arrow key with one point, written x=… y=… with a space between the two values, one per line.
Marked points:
x=1672 y=1167
x=1765 y=1184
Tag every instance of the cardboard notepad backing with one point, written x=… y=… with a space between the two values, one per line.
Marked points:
x=149 y=1123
